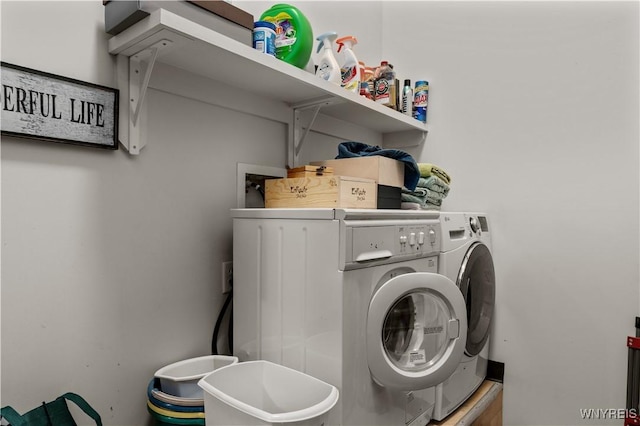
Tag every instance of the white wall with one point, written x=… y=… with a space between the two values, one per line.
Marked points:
x=111 y=263
x=534 y=112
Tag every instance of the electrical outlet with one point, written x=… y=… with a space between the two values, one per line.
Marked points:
x=227 y=276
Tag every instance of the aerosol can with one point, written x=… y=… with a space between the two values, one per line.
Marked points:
x=407 y=99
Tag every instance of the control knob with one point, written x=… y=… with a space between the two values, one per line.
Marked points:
x=474 y=224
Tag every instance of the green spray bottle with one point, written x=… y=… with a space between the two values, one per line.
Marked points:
x=294 y=36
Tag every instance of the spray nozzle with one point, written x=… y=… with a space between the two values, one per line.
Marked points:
x=326 y=39
x=349 y=41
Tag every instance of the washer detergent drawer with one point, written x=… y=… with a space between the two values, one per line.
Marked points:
x=373 y=243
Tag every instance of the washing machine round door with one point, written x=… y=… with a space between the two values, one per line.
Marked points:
x=416 y=331
x=477 y=282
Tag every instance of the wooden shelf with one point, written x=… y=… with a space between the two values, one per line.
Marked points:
x=203 y=51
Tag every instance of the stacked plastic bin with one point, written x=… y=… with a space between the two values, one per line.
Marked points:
x=259 y=393
x=173 y=395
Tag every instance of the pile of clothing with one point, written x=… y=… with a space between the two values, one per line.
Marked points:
x=359 y=149
x=432 y=188
x=425 y=185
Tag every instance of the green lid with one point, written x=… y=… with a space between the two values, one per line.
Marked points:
x=294 y=36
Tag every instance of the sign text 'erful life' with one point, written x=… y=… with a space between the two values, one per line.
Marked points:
x=44 y=106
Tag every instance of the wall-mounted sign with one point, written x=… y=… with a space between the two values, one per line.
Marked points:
x=40 y=105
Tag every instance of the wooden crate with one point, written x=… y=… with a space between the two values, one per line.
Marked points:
x=307 y=171
x=385 y=171
x=321 y=191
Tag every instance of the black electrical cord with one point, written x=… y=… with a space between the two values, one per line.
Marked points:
x=216 y=329
x=230 y=330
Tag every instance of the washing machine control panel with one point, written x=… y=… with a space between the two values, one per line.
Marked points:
x=392 y=242
x=417 y=239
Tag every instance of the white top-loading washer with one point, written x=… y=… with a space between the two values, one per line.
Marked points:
x=466 y=259
x=354 y=298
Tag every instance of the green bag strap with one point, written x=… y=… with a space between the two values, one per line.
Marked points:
x=11 y=415
x=84 y=405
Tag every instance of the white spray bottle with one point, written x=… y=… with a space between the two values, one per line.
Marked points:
x=350 y=69
x=328 y=68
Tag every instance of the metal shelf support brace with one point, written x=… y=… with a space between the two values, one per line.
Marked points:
x=298 y=132
x=134 y=74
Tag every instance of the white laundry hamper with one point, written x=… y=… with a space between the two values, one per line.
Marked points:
x=264 y=393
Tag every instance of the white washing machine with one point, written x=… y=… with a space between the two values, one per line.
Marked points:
x=466 y=259
x=354 y=298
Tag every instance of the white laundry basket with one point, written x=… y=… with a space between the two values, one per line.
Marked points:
x=263 y=393
x=181 y=378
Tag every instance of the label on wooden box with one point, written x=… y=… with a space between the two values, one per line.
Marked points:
x=321 y=191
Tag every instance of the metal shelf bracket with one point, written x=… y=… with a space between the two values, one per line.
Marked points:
x=298 y=131
x=134 y=74
x=404 y=139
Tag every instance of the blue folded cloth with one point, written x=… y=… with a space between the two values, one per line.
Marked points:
x=359 y=149
x=428 y=194
x=422 y=196
x=434 y=184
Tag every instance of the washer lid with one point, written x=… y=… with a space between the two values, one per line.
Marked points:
x=416 y=331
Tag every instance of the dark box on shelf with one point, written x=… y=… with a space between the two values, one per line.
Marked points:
x=217 y=15
x=389 y=197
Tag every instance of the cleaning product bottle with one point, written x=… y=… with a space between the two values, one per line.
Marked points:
x=362 y=67
x=421 y=100
x=385 y=85
x=294 y=37
x=364 y=90
x=328 y=68
x=407 y=99
x=350 y=69
x=369 y=76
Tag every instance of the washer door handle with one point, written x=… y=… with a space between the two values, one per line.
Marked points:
x=454 y=328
